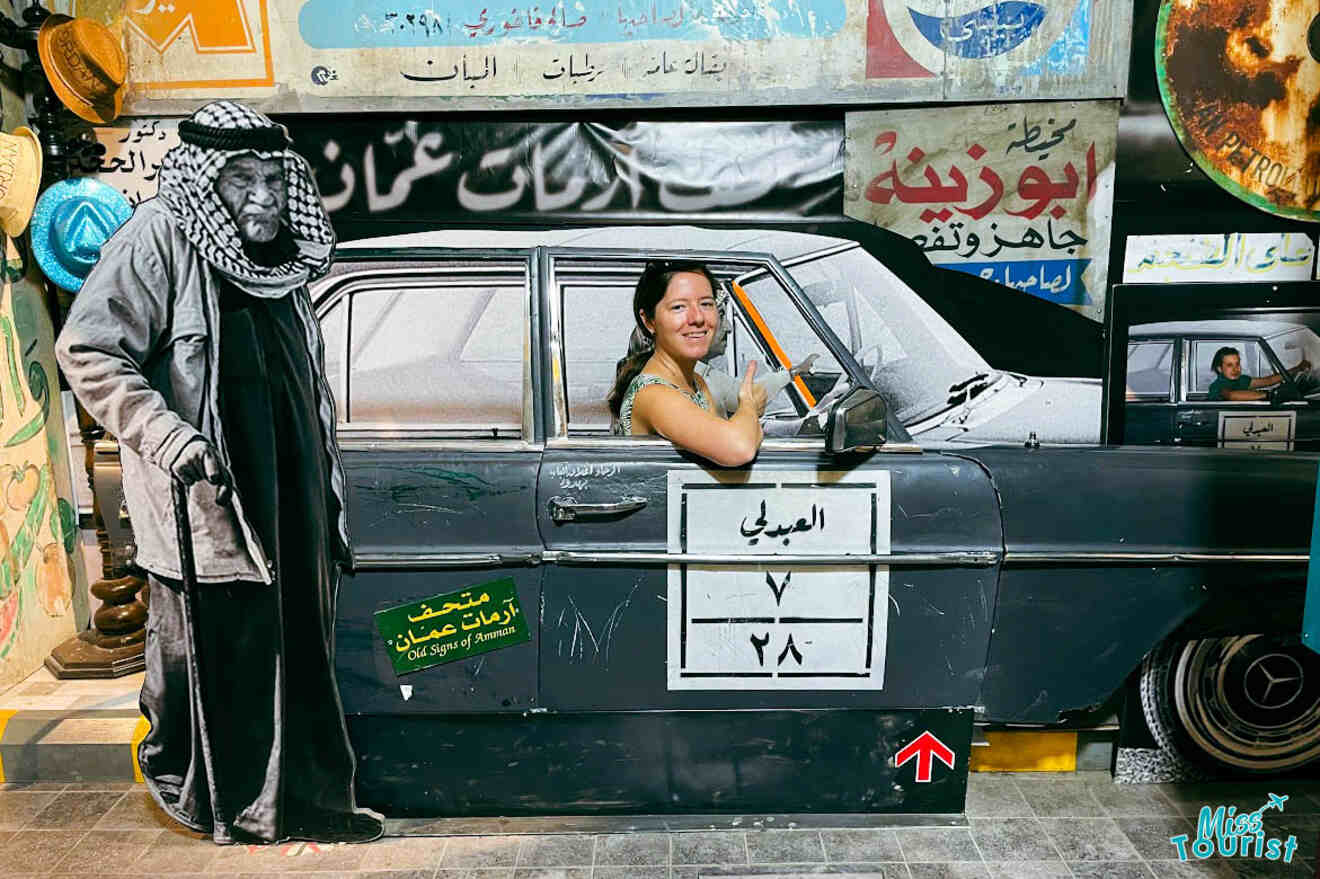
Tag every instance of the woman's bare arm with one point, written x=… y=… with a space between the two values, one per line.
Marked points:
x=731 y=443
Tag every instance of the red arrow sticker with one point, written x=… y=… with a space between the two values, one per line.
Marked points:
x=926 y=748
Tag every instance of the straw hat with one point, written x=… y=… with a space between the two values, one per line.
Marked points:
x=85 y=66
x=20 y=178
x=72 y=220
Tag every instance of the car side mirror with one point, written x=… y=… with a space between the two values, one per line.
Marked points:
x=856 y=422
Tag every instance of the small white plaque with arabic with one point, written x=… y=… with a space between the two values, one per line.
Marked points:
x=1259 y=431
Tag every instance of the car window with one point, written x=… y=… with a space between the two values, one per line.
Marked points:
x=1291 y=348
x=445 y=353
x=595 y=299
x=916 y=360
x=1150 y=369
x=772 y=331
x=334 y=324
x=1202 y=355
x=597 y=321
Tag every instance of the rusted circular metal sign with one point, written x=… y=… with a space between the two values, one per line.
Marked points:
x=1240 y=81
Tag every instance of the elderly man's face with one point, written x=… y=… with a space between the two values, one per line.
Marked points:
x=253 y=190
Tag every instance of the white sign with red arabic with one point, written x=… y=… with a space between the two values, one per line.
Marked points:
x=1020 y=194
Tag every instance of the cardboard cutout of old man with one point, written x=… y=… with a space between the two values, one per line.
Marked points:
x=194 y=342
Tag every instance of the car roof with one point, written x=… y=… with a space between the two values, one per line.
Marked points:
x=1262 y=328
x=784 y=244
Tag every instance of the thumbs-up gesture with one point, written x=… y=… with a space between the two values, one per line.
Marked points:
x=751 y=393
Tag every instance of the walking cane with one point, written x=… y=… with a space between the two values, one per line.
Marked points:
x=188 y=571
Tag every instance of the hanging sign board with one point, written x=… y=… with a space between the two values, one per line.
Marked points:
x=371 y=169
x=1239 y=80
x=326 y=55
x=1020 y=194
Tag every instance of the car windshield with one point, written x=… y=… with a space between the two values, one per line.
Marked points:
x=1292 y=348
x=918 y=362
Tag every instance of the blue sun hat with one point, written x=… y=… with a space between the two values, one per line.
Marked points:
x=73 y=218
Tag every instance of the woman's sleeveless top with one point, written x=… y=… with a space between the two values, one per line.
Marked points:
x=623 y=424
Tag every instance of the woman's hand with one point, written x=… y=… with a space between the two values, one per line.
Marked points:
x=750 y=393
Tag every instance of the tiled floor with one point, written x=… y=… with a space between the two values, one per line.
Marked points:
x=1017 y=827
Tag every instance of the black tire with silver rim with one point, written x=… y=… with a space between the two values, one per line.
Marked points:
x=1247 y=703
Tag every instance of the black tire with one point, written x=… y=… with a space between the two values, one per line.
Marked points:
x=1249 y=704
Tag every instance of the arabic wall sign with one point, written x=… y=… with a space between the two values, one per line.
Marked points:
x=324 y=55
x=778 y=626
x=134 y=149
x=1241 y=85
x=419 y=171
x=1021 y=194
x=1237 y=256
x=453 y=626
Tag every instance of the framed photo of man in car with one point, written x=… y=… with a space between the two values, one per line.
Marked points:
x=1227 y=365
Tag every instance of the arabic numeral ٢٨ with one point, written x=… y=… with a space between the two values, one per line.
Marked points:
x=790 y=649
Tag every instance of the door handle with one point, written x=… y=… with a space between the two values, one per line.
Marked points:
x=567 y=509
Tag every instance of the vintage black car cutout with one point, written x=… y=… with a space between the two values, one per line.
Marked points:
x=708 y=640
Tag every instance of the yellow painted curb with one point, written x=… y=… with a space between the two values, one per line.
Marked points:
x=1024 y=751
x=139 y=733
x=5 y=714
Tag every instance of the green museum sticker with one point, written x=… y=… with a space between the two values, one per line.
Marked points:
x=453 y=626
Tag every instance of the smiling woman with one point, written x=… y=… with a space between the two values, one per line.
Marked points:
x=658 y=391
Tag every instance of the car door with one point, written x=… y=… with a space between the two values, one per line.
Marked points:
x=1244 y=424
x=428 y=354
x=803 y=582
x=1149 y=392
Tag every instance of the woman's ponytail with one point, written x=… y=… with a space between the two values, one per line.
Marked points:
x=628 y=369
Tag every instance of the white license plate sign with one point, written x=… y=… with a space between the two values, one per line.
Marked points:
x=1262 y=431
x=771 y=624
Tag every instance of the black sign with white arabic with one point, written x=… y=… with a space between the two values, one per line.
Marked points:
x=420 y=171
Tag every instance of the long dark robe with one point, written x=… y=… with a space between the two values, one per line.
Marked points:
x=247 y=736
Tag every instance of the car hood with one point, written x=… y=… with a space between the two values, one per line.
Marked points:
x=1057 y=410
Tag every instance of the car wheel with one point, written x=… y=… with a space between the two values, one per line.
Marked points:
x=1248 y=703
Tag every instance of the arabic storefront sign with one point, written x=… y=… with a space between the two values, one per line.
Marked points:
x=453 y=626
x=419 y=171
x=778 y=626
x=1020 y=194
x=325 y=55
x=134 y=149
x=1236 y=256
x=1239 y=80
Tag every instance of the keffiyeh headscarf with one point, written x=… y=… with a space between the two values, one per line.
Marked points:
x=211 y=137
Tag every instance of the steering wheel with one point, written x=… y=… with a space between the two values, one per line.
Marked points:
x=862 y=355
x=1283 y=392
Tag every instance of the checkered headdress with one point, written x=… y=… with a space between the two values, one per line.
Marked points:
x=211 y=137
